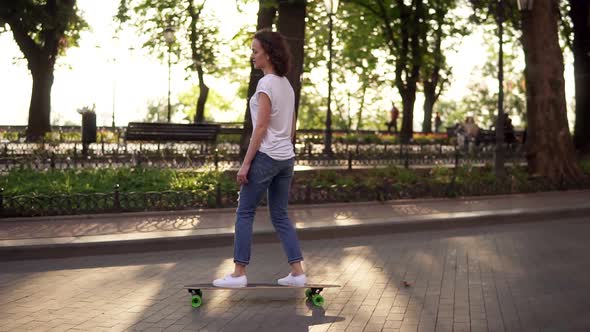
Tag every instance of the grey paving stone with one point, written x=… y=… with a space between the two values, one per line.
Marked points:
x=496 y=278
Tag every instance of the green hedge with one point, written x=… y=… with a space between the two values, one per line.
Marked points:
x=84 y=181
x=21 y=182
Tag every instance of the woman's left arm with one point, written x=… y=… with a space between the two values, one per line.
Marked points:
x=262 y=122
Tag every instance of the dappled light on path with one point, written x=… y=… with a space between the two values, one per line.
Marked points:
x=508 y=277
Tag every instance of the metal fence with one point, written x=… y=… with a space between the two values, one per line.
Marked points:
x=226 y=155
x=73 y=134
x=198 y=156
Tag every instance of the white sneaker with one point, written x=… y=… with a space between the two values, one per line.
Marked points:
x=291 y=280
x=231 y=282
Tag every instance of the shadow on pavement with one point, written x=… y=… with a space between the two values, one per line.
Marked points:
x=509 y=277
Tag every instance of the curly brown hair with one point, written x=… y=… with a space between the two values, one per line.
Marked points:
x=275 y=45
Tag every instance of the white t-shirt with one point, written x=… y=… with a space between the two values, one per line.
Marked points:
x=277 y=141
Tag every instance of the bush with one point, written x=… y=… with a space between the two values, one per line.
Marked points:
x=10 y=136
x=327 y=178
x=229 y=138
x=49 y=182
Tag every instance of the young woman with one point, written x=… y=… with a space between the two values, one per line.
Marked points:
x=268 y=164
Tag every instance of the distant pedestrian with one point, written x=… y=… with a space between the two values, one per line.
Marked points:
x=394 y=115
x=471 y=130
x=268 y=164
x=509 y=136
x=437 y=123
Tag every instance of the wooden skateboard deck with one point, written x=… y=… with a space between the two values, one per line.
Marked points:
x=312 y=291
x=256 y=286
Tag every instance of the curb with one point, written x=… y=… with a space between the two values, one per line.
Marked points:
x=183 y=240
x=189 y=212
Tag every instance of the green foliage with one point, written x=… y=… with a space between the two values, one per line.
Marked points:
x=158 y=110
x=358 y=87
x=229 y=138
x=518 y=173
x=312 y=108
x=397 y=175
x=451 y=112
x=196 y=32
x=50 y=182
x=47 y=26
x=353 y=138
x=431 y=138
x=566 y=27
x=482 y=101
x=43 y=30
x=10 y=136
x=329 y=178
x=489 y=11
x=105 y=135
x=31 y=182
x=372 y=178
x=188 y=100
x=441 y=174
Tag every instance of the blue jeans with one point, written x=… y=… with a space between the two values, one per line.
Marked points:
x=275 y=176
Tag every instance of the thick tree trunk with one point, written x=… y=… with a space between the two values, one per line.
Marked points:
x=266 y=16
x=195 y=13
x=40 y=54
x=429 y=100
x=432 y=79
x=291 y=24
x=580 y=15
x=412 y=33
x=39 y=110
x=203 y=94
x=408 y=100
x=550 y=151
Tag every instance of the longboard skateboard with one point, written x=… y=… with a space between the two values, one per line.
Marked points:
x=312 y=291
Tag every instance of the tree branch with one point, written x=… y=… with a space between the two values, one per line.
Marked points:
x=22 y=38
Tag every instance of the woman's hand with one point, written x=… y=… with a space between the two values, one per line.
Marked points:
x=242 y=176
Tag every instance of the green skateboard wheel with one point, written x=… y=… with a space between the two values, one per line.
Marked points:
x=317 y=300
x=308 y=293
x=196 y=301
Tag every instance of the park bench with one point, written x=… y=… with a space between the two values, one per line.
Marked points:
x=486 y=137
x=489 y=137
x=161 y=132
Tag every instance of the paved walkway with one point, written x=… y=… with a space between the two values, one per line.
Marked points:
x=137 y=232
x=517 y=277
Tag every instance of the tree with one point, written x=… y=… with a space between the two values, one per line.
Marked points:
x=266 y=15
x=550 y=151
x=197 y=45
x=157 y=110
x=482 y=102
x=291 y=24
x=403 y=26
x=215 y=100
x=580 y=16
x=359 y=57
x=435 y=71
x=43 y=30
